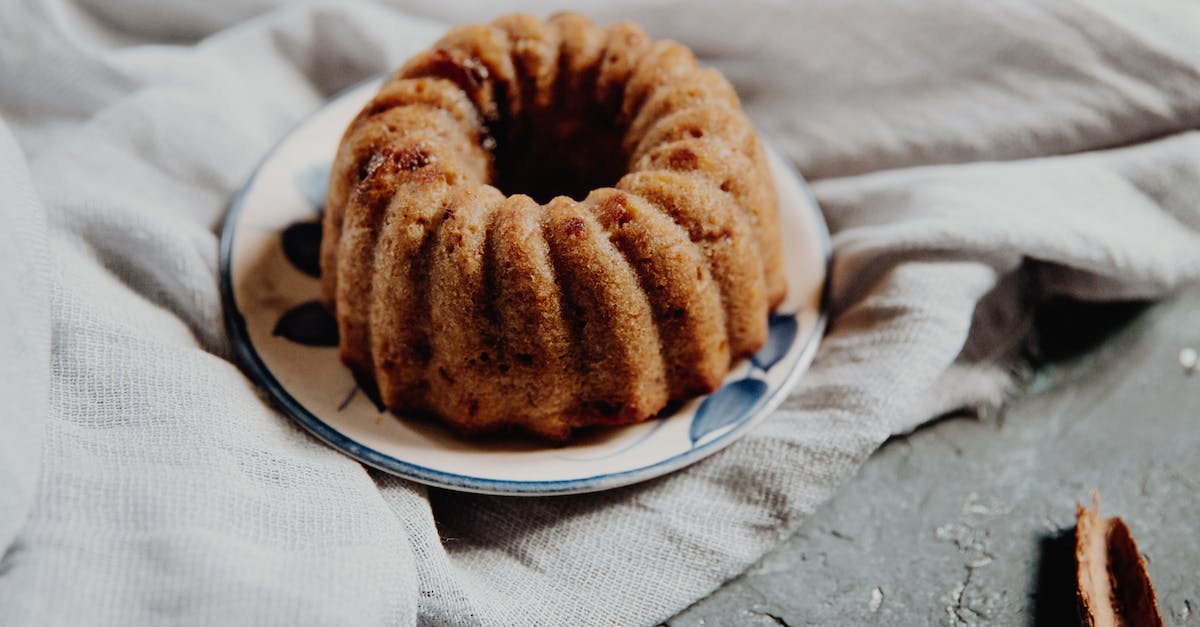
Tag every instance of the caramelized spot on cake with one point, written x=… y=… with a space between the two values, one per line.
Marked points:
x=412 y=157
x=683 y=159
x=367 y=167
x=467 y=72
x=575 y=227
x=623 y=216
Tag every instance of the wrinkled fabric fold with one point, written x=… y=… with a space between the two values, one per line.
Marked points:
x=25 y=336
x=971 y=161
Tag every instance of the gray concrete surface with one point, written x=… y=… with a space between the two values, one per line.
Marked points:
x=966 y=521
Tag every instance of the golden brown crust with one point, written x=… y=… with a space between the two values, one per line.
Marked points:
x=476 y=59
x=696 y=121
x=662 y=65
x=707 y=90
x=461 y=387
x=399 y=313
x=746 y=179
x=624 y=46
x=491 y=312
x=723 y=236
x=534 y=45
x=617 y=345
x=369 y=201
x=538 y=351
x=582 y=45
x=671 y=271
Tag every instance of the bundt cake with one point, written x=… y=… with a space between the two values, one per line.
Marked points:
x=535 y=310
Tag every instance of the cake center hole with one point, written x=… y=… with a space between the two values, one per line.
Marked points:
x=549 y=153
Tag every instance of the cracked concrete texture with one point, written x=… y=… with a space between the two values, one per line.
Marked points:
x=961 y=522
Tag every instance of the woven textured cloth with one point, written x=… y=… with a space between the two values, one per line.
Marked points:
x=971 y=160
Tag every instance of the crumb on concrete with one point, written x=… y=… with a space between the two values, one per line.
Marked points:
x=1189 y=359
x=876 y=599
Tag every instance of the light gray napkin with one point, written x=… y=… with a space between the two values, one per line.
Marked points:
x=145 y=480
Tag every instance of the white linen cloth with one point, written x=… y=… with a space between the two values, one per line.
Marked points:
x=1008 y=150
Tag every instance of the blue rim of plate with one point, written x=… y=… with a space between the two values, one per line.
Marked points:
x=236 y=325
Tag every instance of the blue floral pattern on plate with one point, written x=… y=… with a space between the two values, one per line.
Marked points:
x=735 y=401
x=312 y=182
x=781 y=335
x=727 y=406
x=308 y=323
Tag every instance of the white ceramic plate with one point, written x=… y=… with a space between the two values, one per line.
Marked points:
x=268 y=275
